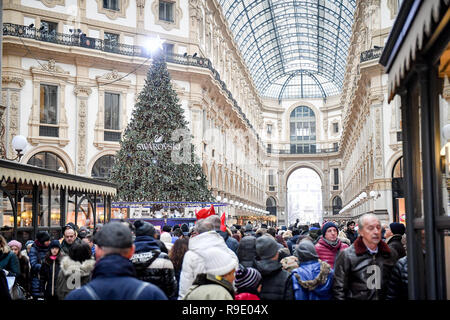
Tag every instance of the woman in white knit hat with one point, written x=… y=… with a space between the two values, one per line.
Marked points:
x=217 y=281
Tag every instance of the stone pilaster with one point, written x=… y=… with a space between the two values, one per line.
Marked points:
x=82 y=94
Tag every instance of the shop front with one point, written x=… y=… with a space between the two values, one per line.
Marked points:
x=34 y=199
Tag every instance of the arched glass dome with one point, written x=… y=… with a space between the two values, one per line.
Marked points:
x=293 y=49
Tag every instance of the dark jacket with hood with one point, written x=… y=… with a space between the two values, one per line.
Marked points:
x=37 y=256
x=49 y=274
x=246 y=251
x=114 y=278
x=356 y=267
x=154 y=266
x=231 y=242
x=351 y=235
x=313 y=279
x=276 y=282
x=398 y=283
x=395 y=242
x=292 y=242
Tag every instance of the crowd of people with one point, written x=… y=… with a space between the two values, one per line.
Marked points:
x=210 y=261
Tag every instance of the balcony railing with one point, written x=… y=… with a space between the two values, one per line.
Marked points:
x=303 y=148
x=80 y=40
x=371 y=54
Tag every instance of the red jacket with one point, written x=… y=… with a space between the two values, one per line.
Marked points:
x=327 y=252
x=246 y=296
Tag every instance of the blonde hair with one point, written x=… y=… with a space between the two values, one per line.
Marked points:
x=3 y=245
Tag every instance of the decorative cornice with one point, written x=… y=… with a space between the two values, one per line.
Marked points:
x=53 y=3
x=12 y=79
x=82 y=91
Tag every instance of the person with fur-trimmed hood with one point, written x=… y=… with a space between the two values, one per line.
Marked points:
x=50 y=270
x=329 y=244
x=151 y=263
x=313 y=279
x=76 y=269
x=362 y=271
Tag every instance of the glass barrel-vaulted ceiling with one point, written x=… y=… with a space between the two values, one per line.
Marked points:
x=293 y=48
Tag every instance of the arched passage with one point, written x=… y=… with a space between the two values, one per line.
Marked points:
x=304 y=196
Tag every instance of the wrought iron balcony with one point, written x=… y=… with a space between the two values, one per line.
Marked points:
x=81 y=40
x=371 y=54
x=303 y=148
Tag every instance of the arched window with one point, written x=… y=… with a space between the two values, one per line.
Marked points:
x=337 y=205
x=271 y=205
x=48 y=160
x=102 y=167
x=398 y=191
x=302 y=130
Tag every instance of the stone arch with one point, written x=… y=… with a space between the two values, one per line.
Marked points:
x=219 y=179
x=205 y=171
x=212 y=177
x=391 y=163
x=59 y=152
x=98 y=156
x=307 y=165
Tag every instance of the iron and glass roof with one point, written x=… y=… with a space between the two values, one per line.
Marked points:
x=293 y=48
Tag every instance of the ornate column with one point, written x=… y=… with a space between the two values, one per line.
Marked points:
x=82 y=94
x=11 y=87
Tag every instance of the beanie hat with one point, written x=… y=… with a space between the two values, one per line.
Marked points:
x=328 y=225
x=54 y=244
x=114 y=235
x=42 y=236
x=247 y=278
x=28 y=243
x=397 y=228
x=266 y=247
x=15 y=243
x=218 y=262
x=144 y=228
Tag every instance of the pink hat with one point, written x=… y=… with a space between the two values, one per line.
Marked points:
x=15 y=243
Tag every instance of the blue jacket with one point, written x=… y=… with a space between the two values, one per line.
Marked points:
x=231 y=242
x=311 y=270
x=37 y=256
x=291 y=242
x=114 y=278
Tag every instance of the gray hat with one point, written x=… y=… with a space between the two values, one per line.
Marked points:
x=266 y=247
x=306 y=251
x=114 y=235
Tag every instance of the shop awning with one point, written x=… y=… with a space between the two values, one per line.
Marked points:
x=27 y=174
x=412 y=32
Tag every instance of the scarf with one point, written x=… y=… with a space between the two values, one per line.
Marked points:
x=331 y=243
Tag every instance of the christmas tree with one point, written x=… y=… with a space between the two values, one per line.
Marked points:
x=156 y=157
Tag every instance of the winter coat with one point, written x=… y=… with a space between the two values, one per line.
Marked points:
x=114 y=278
x=395 y=242
x=355 y=267
x=48 y=276
x=276 y=282
x=313 y=280
x=351 y=235
x=154 y=266
x=246 y=251
x=231 y=242
x=24 y=279
x=398 y=283
x=37 y=256
x=193 y=259
x=246 y=296
x=208 y=287
x=72 y=275
x=65 y=246
x=292 y=242
x=10 y=263
x=4 y=290
x=327 y=252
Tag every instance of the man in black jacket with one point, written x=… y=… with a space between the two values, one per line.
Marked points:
x=276 y=282
x=394 y=234
x=351 y=233
x=362 y=271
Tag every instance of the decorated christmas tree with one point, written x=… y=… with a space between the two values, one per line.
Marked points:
x=156 y=157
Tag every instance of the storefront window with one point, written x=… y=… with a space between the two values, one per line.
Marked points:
x=6 y=215
x=85 y=214
x=55 y=216
x=24 y=208
x=43 y=207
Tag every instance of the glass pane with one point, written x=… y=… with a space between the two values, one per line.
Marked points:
x=48 y=104
x=43 y=207
x=85 y=214
x=55 y=217
x=25 y=208
x=6 y=215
